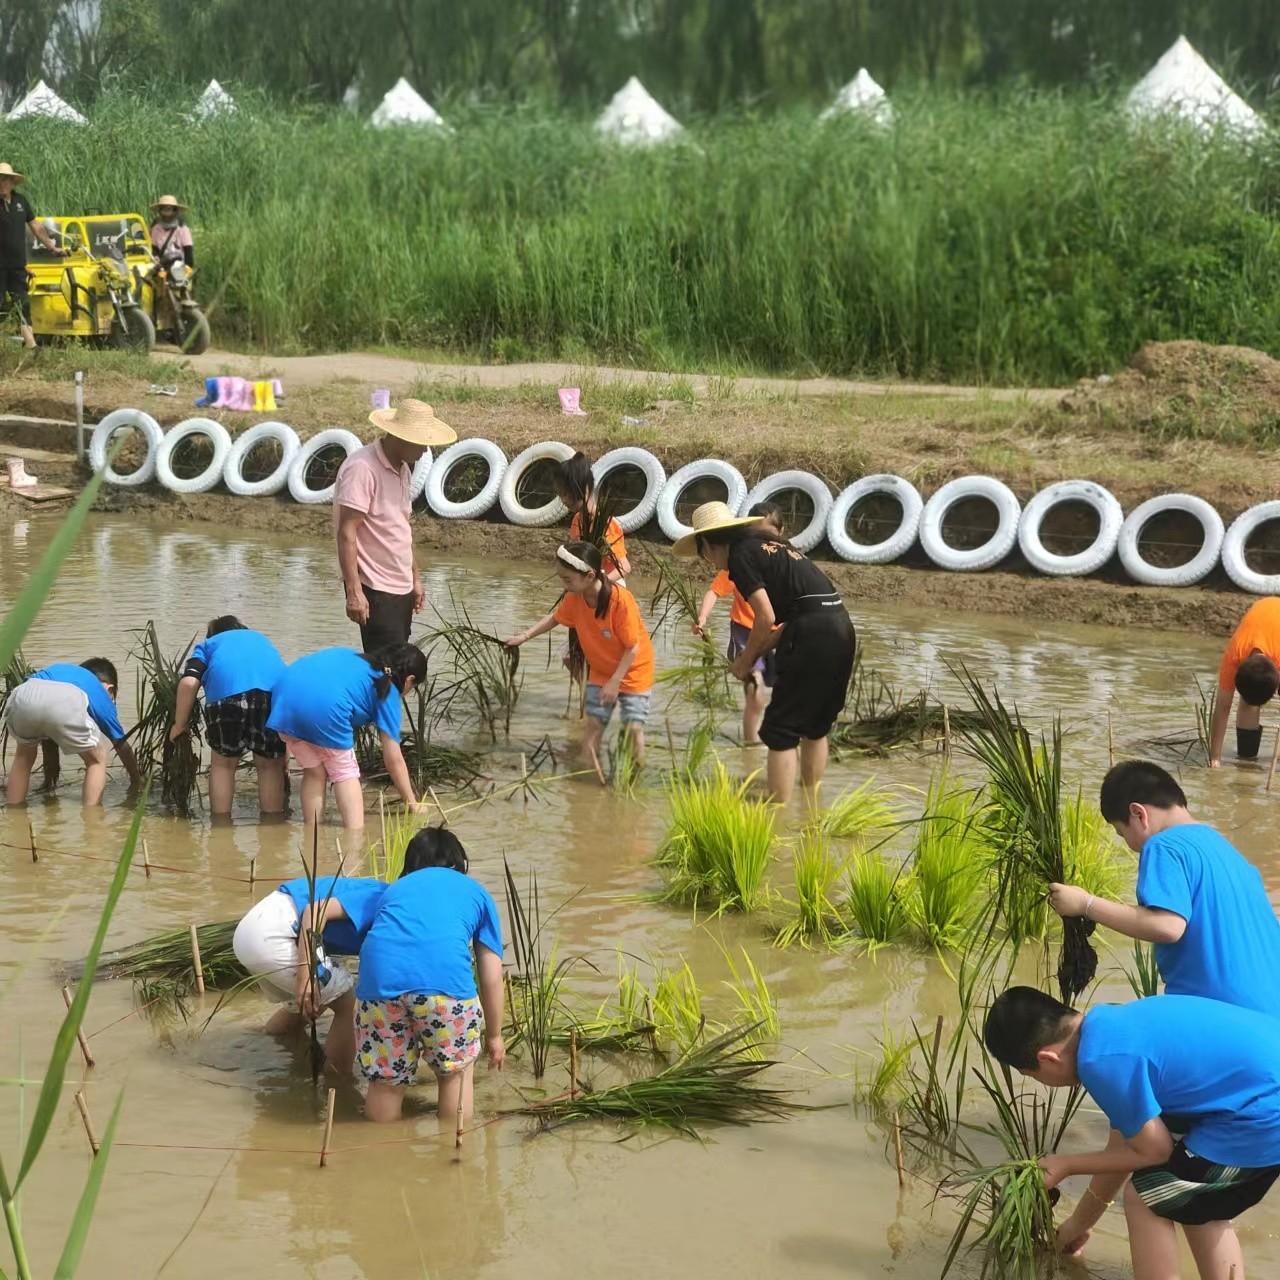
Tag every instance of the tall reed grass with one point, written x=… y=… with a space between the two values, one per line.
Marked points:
x=1029 y=238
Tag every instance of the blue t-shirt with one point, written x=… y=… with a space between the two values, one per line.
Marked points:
x=234 y=662
x=359 y=897
x=421 y=940
x=1216 y=1066
x=323 y=697
x=1231 y=948
x=101 y=707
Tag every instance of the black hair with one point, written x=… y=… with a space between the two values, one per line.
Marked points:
x=225 y=622
x=434 y=847
x=768 y=510
x=1138 y=782
x=395 y=663
x=1020 y=1023
x=104 y=669
x=590 y=554
x=1257 y=679
x=574 y=480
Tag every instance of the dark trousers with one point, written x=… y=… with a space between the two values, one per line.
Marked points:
x=390 y=618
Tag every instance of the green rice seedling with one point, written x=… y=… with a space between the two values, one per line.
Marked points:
x=178 y=761
x=816 y=917
x=882 y=1086
x=948 y=865
x=1093 y=858
x=1144 y=977
x=481 y=670
x=386 y=857
x=624 y=770
x=859 y=812
x=1189 y=745
x=18 y=670
x=678 y=1017
x=934 y=1092
x=877 y=900
x=755 y=1001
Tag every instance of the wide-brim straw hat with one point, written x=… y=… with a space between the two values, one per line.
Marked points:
x=167 y=200
x=8 y=171
x=707 y=518
x=414 y=422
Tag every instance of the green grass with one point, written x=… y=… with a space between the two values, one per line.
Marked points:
x=1023 y=237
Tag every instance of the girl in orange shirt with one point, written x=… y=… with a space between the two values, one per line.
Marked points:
x=576 y=487
x=614 y=641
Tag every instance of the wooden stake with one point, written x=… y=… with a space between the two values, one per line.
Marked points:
x=524 y=779
x=573 y=1063
x=457 y=1134
x=897 y=1150
x=146 y=858
x=328 y=1129
x=1275 y=753
x=196 y=962
x=84 y=1044
x=31 y=836
x=946 y=731
x=1111 y=740
x=435 y=800
x=88 y=1123
x=253 y=872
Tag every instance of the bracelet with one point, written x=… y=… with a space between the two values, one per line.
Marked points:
x=1089 y=1191
x=1088 y=902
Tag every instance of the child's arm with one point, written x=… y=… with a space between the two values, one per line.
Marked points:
x=489 y=969
x=130 y=761
x=1222 y=700
x=609 y=690
x=184 y=704
x=541 y=628
x=314 y=917
x=1146 y=924
x=763 y=637
x=398 y=772
x=1073 y=1233
x=704 y=612
x=1151 y=1145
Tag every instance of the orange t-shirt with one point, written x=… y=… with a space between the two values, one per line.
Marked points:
x=613 y=535
x=740 y=611
x=605 y=640
x=1259 y=629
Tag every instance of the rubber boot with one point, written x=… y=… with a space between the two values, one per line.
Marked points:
x=210 y=397
x=277 y=388
x=244 y=402
x=18 y=478
x=268 y=393
x=225 y=388
x=570 y=405
x=257 y=397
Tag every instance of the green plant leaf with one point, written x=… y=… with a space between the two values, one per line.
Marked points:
x=64 y=1045
x=79 y=1232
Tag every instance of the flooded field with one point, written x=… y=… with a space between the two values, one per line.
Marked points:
x=215 y=1171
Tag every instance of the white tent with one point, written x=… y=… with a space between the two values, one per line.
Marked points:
x=214 y=101
x=405 y=105
x=861 y=96
x=634 y=118
x=1182 y=83
x=42 y=101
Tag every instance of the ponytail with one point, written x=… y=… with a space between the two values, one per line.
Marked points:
x=577 y=554
x=394 y=664
x=575 y=481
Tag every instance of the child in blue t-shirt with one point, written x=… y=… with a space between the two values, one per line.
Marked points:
x=74 y=707
x=317 y=704
x=1215 y=1066
x=237 y=668
x=417 y=991
x=275 y=941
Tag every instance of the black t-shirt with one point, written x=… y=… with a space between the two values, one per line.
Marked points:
x=14 y=216
x=756 y=562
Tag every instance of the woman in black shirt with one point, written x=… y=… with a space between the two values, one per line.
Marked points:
x=814 y=639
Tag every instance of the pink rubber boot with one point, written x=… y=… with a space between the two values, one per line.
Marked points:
x=18 y=478
x=570 y=405
x=225 y=389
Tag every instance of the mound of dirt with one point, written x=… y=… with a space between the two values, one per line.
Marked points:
x=1188 y=389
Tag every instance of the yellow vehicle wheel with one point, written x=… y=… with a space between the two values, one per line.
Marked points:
x=136 y=334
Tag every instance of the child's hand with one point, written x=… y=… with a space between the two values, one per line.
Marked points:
x=699 y=629
x=608 y=694
x=513 y=642
x=176 y=732
x=308 y=1001
x=496 y=1050
x=1067 y=900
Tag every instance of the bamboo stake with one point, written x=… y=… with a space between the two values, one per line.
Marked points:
x=897 y=1150
x=253 y=872
x=196 y=962
x=328 y=1129
x=457 y=1133
x=88 y=1123
x=146 y=858
x=31 y=836
x=573 y=1063
x=1275 y=754
x=435 y=800
x=946 y=731
x=524 y=779
x=84 y=1044
x=1111 y=741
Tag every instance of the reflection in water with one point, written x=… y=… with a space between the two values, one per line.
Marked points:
x=813 y=1197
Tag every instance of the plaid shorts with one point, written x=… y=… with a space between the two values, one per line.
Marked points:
x=239 y=724
x=1192 y=1190
x=394 y=1036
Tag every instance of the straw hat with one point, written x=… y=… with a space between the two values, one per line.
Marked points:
x=8 y=171
x=168 y=200
x=708 y=517
x=414 y=422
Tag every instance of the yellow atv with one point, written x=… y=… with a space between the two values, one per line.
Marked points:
x=102 y=288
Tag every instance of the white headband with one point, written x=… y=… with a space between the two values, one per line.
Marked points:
x=563 y=553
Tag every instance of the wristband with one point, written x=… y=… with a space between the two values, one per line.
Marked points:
x=1087 y=904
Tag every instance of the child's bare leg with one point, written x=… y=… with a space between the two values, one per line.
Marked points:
x=270 y=783
x=753 y=711
x=635 y=731
x=1247 y=717
x=95 y=775
x=350 y=800
x=1216 y=1249
x=285 y=1021
x=780 y=773
x=592 y=734
x=813 y=764
x=451 y=1085
x=1153 y=1241
x=24 y=760
x=222 y=783
x=340 y=1043
x=313 y=781
x=384 y=1102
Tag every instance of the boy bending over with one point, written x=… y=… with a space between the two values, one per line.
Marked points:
x=1249 y=669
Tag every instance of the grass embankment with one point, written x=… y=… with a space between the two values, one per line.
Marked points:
x=1028 y=240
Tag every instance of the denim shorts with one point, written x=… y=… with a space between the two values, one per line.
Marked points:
x=634 y=707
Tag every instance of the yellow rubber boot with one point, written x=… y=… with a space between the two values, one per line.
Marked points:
x=268 y=396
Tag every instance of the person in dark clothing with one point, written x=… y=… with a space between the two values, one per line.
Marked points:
x=800 y=615
x=16 y=215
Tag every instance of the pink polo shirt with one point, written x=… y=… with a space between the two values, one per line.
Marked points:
x=369 y=483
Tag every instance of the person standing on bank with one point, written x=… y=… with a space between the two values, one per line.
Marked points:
x=16 y=215
x=814 y=639
x=371 y=512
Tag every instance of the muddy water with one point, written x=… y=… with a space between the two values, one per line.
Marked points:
x=218 y=1173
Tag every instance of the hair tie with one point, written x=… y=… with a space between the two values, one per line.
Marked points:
x=574 y=562
x=386 y=671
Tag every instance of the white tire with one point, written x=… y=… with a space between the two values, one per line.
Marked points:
x=302 y=459
x=706 y=469
x=817 y=492
x=1233 y=561
x=233 y=472
x=976 y=558
x=654 y=478
x=221 y=440
x=473 y=508
x=508 y=490
x=1096 y=554
x=898 y=543
x=418 y=480
x=1182 y=575
x=101 y=438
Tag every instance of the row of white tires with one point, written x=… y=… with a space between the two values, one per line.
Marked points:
x=1015 y=525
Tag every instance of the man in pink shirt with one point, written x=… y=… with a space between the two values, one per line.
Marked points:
x=371 y=512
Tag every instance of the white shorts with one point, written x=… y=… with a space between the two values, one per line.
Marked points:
x=40 y=709
x=266 y=943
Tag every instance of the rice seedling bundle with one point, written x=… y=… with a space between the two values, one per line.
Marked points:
x=1144 y=977
x=817 y=917
x=50 y=757
x=876 y=902
x=178 y=761
x=859 y=812
x=482 y=671
x=948 y=864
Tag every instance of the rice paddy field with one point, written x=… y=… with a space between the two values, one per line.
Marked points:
x=1025 y=238
x=215 y=1169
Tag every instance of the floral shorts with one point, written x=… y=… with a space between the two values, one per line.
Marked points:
x=394 y=1036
